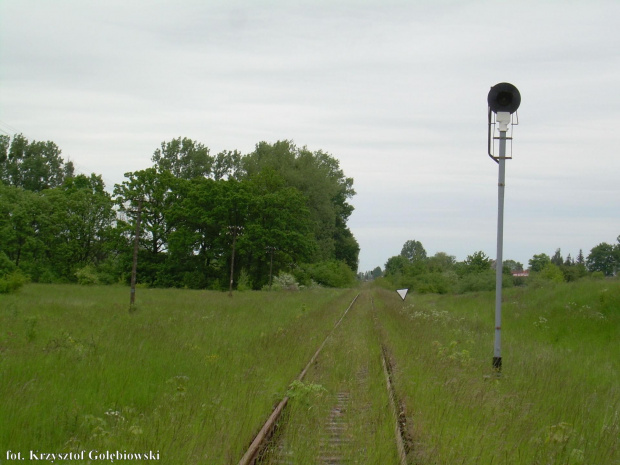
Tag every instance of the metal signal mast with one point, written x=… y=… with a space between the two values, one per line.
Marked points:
x=504 y=100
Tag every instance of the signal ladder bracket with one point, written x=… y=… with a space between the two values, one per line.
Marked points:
x=514 y=121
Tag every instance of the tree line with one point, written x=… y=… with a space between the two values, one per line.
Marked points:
x=287 y=206
x=442 y=274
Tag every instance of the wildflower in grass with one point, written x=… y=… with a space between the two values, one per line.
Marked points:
x=115 y=415
x=571 y=306
x=541 y=323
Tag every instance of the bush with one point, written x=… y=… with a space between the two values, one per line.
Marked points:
x=244 y=283
x=474 y=282
x=11 y=282
x=552 y=273
x=435 y=283
x=87 y=275
x=483 y=281
x=571 y=273
x=283 y=281
x=109 y=271
x=332 y=274
x=45 y=277
x=6 y=265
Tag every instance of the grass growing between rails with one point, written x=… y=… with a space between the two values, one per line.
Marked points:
x=340 y=412
x=191 y=374
x=558 y=398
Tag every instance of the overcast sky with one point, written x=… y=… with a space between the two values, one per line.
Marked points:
x=395 y=90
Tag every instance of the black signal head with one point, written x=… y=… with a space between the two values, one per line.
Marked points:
x=504 y=97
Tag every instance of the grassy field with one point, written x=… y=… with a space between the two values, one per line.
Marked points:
x=558 y=398
x=192 y=375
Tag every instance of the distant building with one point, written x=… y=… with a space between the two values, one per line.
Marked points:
x=520 y=274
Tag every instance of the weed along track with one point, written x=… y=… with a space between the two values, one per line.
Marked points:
x=341 y=409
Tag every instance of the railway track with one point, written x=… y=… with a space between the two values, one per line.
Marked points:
x=335 y=435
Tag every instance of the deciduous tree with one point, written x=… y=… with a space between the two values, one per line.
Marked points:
x=184 y=158
x=318 y=176
x=477 y=262
x=413 y=251
x=603 y=258
x=34 y=166
x=538 y=262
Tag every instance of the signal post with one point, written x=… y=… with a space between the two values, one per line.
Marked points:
x=504 y=100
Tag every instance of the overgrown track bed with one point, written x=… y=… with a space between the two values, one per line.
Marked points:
x=339 y=410
x=260 y=441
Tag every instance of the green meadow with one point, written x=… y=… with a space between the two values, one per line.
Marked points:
x=192 y=375
x=557 y=400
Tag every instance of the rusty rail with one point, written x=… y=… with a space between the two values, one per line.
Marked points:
x=265 y=432
x=400 y=443
x=399 y=426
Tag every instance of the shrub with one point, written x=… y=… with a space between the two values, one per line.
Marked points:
x=6 y=265
x=571 y=273
x=11 y=282
x=109 y=271
x=552 y=273
x=283 y=281
x=332 y=274
x=474 y=282
x=87 y=275
x=244 y=283
x=435 y=283
x=483 y=281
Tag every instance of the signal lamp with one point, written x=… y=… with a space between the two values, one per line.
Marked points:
x=504 y=97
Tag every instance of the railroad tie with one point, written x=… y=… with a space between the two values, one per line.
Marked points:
x=335 y=437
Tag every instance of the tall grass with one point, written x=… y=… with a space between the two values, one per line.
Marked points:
x=190 y=374
x=349 y=366
x=558 y=398
x=194 y=374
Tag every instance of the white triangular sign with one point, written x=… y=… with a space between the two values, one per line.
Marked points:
x=402 y=293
